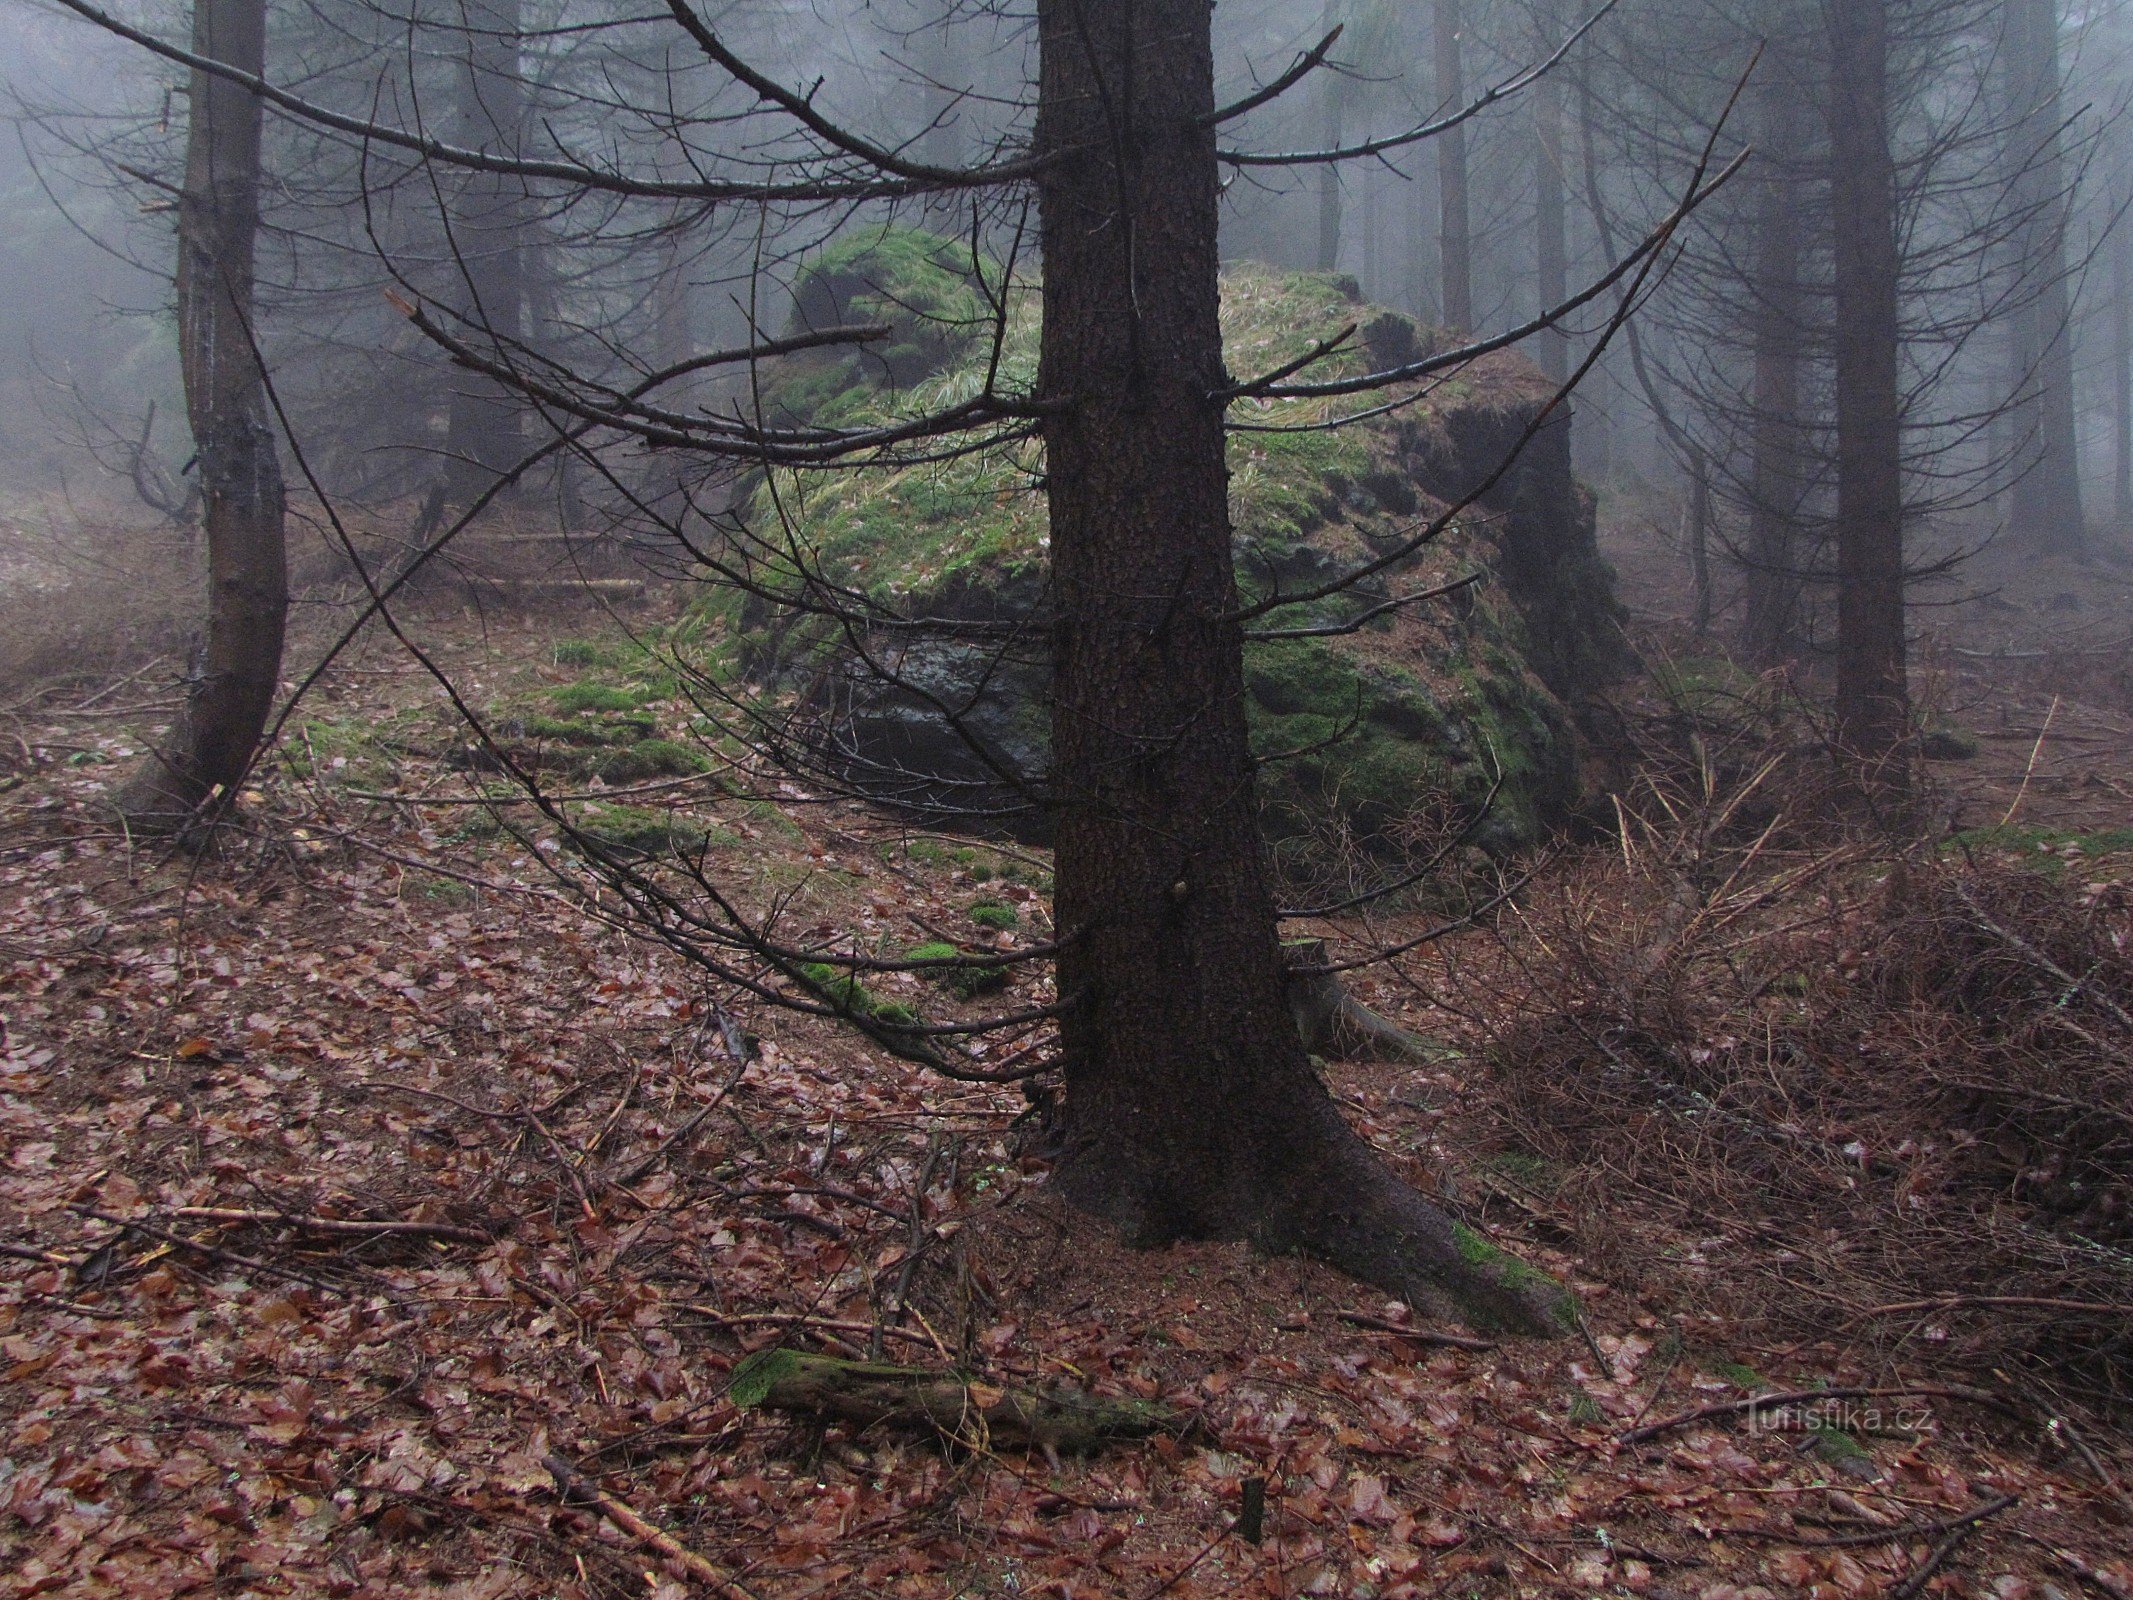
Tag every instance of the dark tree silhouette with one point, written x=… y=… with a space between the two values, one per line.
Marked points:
x=1190 y=1108
x=238 y=666
x=1873 y=703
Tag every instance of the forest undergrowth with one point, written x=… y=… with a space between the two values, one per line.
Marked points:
x=376 y=1219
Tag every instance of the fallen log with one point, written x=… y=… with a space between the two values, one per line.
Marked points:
x=959 y=1408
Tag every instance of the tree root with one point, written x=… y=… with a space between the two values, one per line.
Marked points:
x=1354 y=1214
x=1332 y=1021
x=959 y=1408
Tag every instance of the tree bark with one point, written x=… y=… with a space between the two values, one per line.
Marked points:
x=1455 y=225
x=1770 y=628
x=1873 y=698
x=1550 y=225
x=1191 y=1110
x=2046 y=511
x=485 y=434
x=211 y=745
x=2122 y=376
x=1700 y=540
x=1332 y=106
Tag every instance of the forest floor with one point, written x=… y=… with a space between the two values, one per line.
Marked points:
x=355 y=1169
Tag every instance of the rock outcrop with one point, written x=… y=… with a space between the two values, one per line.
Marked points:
x=1370 y=738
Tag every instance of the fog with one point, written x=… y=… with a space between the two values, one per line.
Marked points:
x=2014 y=346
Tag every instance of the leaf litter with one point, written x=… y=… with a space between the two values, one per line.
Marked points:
x=353 y=1178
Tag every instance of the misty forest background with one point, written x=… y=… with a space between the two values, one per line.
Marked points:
x=1105 y=798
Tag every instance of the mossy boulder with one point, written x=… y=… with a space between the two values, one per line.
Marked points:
x=1425 y=710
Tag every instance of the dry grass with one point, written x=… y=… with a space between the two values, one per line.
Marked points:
x=1831 y=1090
x=84 y=602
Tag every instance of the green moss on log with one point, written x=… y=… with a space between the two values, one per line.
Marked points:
x=958 y=1407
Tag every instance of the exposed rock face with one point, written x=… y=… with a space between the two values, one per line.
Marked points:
x=1423 y=711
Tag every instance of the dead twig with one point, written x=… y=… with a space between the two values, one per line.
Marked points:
x=1429 y=1336
x=1959 y=1530
x=572 y=1484
x=347 y=1226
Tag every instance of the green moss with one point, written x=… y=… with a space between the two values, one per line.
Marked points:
x=967 y=981
x=652 y=758
x=1370 y=740
x=579 y=730
x=582 y=653
x=1515 y=1275
x=1837 y=1447
x=2035 y=841
x=991 y=914
x=1535 y=1172
x=1740 y=1375
x=843 y=990
x=586 y=695
x=635 y=830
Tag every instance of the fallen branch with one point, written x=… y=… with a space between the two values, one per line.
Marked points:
x=2086 y=1570
x=1895 y=1533
x=572 y=1484
x=952 y=1405
x=793 y=1319
x=1959 y=1530
x=1949 y=1302
x=214 y=1252
x=351 y=1227
x=1451 y=1341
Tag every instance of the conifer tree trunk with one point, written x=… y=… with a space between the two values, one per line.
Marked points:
x=1332 y=107
x=1873 y=701
x=1191 y=1109
x=209 y=747
x=2046 y=509
x=1551 y=233
x=485 y=435
x=2122 y=376
x=1455 y=220
x=1769 y=629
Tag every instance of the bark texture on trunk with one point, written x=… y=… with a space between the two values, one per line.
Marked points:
x=238 y=669
x=1332 y=122
x=1191 y=1110
x=1873 y=699
x=1456 y=229
x=485 y=435
x=1770 y=629
x=1551 y=231
x=2122 y=376
x=2046 y=510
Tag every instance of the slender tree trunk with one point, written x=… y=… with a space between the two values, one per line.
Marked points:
x=1455 y=225
x=1769 y=630
x=937 y=55
x=2046 y=510
x=1551 y=240
x=489 y=222
x=1423 y=280
x=210 y=746
x=1873 y=700
x=1333 y=119
x=1191 y=1110
x=2122 y=375
x=1700 y=539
